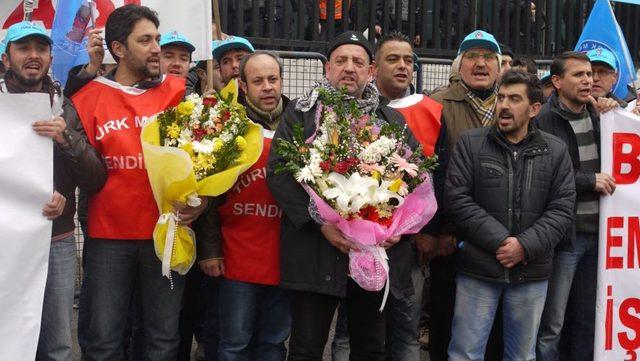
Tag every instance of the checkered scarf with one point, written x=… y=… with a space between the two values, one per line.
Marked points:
x=484 y=108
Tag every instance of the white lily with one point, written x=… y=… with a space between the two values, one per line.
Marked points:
x=351 y=193
x=381 y=194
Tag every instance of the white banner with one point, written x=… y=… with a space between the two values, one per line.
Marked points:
x=192 y=18
x=617 y=335
x=26 y=184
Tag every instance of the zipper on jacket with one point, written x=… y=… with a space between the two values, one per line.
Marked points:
x=510 y=200
x=529 y=174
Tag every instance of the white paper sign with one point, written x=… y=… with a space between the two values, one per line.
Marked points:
x=26 y=184
x=617 y=335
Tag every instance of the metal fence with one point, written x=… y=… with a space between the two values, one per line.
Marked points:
x=541 y=28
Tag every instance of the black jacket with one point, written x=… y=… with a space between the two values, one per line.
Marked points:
x=550 y=120
x=494 y=191
x=308 y=262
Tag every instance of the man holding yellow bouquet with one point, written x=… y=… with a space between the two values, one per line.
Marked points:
x=253 y=310
x=122 y=216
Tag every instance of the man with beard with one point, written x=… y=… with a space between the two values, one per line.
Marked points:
x=27 y=57
x=175 y=59
x=466 y=104
x=121 y=258
x=314 y=257
x=572 y=114
x=229 y=53
x=510 y=193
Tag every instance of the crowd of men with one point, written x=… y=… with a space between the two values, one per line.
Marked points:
x=512 y=250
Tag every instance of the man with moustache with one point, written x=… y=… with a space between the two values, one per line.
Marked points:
x=571 y=114
x=314 y=260
x=175 y=59
x=510 y=192
x=253 y=310
x=123 y=214
x=605 y=74
x=394 y=69
x=229 y=53
x=466 y=104
x=27 y=56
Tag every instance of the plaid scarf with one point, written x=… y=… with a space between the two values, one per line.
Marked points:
x=368 y=104
x=484 y=108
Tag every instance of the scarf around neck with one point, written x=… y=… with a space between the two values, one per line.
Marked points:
x=485 y=108
x=14 y=86
x=368 y=104
x=271 y=118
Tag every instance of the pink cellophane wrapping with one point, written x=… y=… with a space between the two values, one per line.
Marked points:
x=368 y=265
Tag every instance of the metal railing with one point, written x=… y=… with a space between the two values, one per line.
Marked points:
x=540 y=28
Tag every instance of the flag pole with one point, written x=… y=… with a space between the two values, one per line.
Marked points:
x=92 y=5
x=27 y=9
x=216 y=35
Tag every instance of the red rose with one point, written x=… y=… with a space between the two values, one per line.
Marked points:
x=210 y=101
x=198 y=134
x=369 y=213
x=226 y=115
x=341 y=167
x=325 y=165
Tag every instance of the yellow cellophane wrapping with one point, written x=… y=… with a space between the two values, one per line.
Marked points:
x=173 y=180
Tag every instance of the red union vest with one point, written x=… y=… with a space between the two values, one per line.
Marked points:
x=113 y=116
x=422 y=115
x=250 y=219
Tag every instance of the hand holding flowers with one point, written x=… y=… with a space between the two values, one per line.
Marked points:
x=196 y=149
x=367 y=187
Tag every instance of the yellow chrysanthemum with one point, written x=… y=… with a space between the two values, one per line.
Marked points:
x=241 y=142
x=204 y=162
x=217 y=144
x=186 y=108
x=376 y=175
x=173 y=131
x=395 y=185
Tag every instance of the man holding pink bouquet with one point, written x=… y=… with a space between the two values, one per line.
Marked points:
x=359 y=184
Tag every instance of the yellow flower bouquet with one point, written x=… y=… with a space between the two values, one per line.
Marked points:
x=198 y=148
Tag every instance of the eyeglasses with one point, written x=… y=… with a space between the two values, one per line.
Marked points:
x=602 y=72
x=488 y=57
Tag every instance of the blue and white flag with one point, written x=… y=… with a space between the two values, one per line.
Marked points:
x=69 y=34
x=602 y=31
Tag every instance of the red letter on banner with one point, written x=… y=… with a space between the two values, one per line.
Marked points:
x=613 y=241
x=633 y=246
x=631 y=322
x=631 y=158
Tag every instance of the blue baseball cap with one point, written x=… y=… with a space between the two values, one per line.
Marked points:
x=603 y=56
x=175 y=38
x=22 y=30
x=479 y=39
x=232 y=42
x=3 y=47
x=214 y=45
